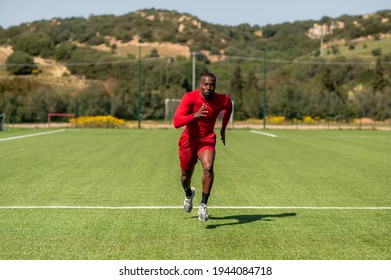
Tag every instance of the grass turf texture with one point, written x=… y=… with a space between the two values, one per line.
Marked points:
x=96 y=167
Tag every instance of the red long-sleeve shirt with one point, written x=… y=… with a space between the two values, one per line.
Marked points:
x=204 y=126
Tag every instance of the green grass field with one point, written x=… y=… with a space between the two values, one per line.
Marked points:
x=314 y=195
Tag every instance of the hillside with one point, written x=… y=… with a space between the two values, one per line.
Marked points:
x=173 y=34
x=95 y=60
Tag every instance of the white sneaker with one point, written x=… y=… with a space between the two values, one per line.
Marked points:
x=188 y=203
x=203 y=212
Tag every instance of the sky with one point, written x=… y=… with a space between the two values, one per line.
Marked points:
x=224 y=12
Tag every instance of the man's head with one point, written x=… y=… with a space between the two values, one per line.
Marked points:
x=208 y=85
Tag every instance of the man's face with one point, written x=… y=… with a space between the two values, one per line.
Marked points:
x=208 y=85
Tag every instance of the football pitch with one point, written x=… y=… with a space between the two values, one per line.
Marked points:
x=102 y=194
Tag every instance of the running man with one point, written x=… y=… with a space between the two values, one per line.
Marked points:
x=198 y=111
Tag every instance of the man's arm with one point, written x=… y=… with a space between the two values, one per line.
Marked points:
x=226 y=116
x=182 y=117
x=183 y=114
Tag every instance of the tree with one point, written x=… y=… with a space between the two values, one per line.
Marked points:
x=63 y=52
x=37 y=43
x=154 y=53
x=20 y=63
x=3 y=38
x=379 y=82
x=252 y=96
x=237 y=86
x=93 y=101
x=124 y=104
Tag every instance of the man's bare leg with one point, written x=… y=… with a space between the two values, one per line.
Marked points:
x=207 y=158
x=186 y=179
x=190 y=192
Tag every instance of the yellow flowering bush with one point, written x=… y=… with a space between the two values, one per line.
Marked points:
x=98 y=122
x=282 y=120
x=275 y=119
x=308 y=119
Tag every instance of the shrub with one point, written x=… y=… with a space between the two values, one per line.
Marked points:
x=376 y=52
x=20 y=63
x=98 y=122
x=275 y=119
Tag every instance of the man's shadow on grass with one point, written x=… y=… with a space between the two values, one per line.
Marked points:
x=244 y=219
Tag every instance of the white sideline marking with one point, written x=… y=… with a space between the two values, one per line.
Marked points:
x=212 y=207
x=31 y=135
x=263 y=133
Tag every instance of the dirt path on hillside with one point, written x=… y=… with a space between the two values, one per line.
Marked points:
x=5 y=52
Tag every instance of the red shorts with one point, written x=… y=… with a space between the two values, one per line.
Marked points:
x=189 y=153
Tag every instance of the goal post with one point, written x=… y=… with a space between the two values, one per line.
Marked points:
x=2 y=118
x=170 y=105
x=50 y=115
x=231 y=119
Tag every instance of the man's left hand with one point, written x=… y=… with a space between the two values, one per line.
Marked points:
x=222 y=133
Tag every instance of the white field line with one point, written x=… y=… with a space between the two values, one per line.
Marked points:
x=263 y=133
x=31 y=135
x=211 y=207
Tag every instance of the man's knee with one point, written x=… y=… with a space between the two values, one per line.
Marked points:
x=207 y=160
x=186 y=175
x=185 y=178
x=208 y=168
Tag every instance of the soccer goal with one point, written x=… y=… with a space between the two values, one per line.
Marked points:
x=170 y=105
x=61 y=115
x=219 y=120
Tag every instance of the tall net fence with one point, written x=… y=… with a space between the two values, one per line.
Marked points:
x=266 y=92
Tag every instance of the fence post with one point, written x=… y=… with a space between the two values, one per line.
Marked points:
x=2 y=117
x=264 y=88
x=139 y=88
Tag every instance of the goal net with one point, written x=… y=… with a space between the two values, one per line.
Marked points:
x=170 y=105
x=59 y=118
x=219 y=120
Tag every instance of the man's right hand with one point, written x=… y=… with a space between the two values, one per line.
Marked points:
x=202 y=112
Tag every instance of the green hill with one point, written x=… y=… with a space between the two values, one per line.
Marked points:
x=286 y=40
x=87 y=64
